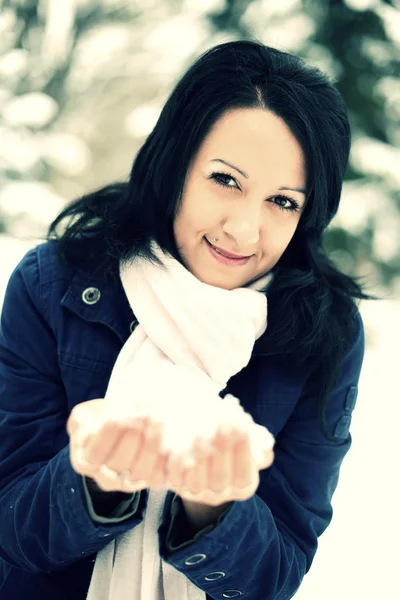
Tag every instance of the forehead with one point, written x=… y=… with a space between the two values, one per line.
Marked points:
x=256 y=141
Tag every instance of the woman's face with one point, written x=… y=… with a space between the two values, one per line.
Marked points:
x=246 y=187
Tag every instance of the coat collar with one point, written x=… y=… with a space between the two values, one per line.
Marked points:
x=109 y=304
x=111 y=307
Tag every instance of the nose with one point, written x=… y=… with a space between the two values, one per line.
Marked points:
x=244 y=226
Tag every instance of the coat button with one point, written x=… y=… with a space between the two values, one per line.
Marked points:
x=91 y=295
x=196 y=558
x=232 y=594
x=214 y=576
x=351 y=399
x=133 y=325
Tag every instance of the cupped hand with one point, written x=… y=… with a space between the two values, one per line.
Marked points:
x=223 y=471
x=117 y=457
x=128 y=458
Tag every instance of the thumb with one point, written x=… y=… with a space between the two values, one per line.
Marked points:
x=84 y=412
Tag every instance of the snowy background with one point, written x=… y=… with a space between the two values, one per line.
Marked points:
x=81 y=85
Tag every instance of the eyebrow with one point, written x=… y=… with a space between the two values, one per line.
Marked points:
x=292 y=189
x=229 y=165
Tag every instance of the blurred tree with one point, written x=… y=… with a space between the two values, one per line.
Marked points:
x=82 y=83
x=230 y=18
x=367 y=76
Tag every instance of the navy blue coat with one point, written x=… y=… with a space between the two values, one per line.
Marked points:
x=57 y=350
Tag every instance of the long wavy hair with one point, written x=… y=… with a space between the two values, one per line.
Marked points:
x=312 y=304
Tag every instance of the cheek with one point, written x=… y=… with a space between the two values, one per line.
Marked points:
x=188 y=224
x=197 y=217
x=277 y=237
x=178 y=228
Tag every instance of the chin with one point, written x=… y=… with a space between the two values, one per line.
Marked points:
x=218 y=281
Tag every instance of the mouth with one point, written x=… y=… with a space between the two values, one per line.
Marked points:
x=225 y=257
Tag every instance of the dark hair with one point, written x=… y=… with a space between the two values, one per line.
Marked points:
x=312 y=312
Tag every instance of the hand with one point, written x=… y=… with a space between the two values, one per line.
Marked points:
x=125 y=458
x=223 y=472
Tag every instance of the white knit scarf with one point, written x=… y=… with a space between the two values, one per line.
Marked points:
x=192 y=338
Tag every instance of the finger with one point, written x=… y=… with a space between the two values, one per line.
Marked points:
x=269 y=458
x=78 y=463
x=83 y=412
x=158 y=479
x=143 y=465
x=195 y=479
x=175 y=473
x=100 y=445
x=221 y=465
x=127 y=448
x=79 y=415
x=244 y=472
x=110 y=483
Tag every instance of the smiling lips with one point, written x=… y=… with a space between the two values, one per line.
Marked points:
x=227 y=257
x=226 y=253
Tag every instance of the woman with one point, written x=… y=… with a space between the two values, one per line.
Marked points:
x=246 y=159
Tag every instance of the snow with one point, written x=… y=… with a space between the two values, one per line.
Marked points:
x=357 y=555
x=33 y=109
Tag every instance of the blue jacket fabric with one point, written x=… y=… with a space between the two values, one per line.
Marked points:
x=59 y=338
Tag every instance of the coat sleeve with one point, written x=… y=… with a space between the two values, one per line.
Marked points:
x=263 y=547
x=44 y=519
x=123 y=505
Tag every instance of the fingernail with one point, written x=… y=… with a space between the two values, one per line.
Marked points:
x=109 y=473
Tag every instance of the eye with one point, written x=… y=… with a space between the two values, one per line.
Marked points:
x=223 y=179
x=285 y=203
